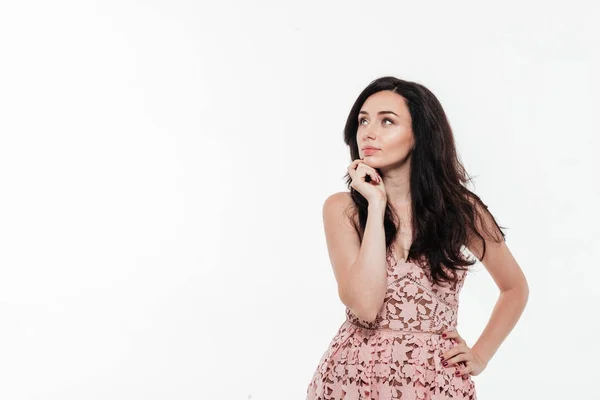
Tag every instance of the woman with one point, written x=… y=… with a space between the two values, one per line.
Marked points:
x=398 y=276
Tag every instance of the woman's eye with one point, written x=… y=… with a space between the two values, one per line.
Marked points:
x=360 y=121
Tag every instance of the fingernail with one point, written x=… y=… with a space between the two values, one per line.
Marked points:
x=457 y=373
x=445 y=363
x=444 y=335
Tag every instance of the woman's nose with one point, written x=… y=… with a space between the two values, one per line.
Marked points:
x=369 y=134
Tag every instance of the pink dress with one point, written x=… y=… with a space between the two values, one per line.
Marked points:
x=398 y=355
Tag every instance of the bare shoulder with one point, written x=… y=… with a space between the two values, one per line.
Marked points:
x=340 y=206
x=343 y=197
x=339 y=209
x=490 y=247
x=488 y=233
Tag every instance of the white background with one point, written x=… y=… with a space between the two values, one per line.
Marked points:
x=164 y=164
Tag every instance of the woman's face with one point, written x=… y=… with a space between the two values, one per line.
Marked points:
x=384 y=122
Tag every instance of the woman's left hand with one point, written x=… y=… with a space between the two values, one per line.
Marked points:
x=461 y=352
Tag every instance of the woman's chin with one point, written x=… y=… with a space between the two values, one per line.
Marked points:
x=370 y=161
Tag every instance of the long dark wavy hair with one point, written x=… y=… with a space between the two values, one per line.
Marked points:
x=445 y=211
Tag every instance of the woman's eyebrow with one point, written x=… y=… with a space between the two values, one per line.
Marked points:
x=381 y=112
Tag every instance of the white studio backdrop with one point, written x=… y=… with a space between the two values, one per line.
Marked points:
x=164 y=165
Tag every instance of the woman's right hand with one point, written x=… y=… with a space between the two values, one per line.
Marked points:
x=373 y=191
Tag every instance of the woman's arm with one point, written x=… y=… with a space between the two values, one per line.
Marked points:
x=514 y=290
x=360 y=269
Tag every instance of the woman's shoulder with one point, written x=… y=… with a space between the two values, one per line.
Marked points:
x=340 y=202
x=340 y=196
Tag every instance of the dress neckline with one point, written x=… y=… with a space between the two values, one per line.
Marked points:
x=395 y=256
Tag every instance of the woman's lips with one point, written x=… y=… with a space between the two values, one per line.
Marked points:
x=370 y=151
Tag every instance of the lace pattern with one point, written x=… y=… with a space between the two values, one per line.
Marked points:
x=397 y=356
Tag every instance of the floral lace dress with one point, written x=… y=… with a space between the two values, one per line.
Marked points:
x=397 y=356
